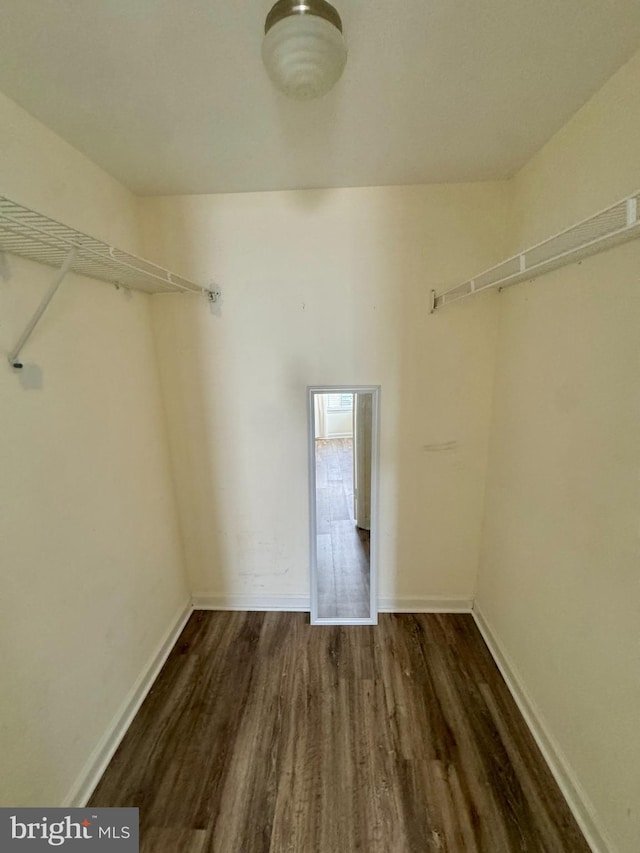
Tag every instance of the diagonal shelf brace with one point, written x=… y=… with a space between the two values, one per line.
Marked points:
x=14 y=355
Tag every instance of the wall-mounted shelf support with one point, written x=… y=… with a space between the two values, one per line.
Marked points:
x=31 y=235
x=14 y=355
x=4 y=266
x=607 y=228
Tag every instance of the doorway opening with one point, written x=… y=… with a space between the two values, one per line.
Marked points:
x=343 y=440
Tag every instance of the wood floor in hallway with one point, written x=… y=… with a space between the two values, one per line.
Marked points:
x=342 y=549
x=263 y=734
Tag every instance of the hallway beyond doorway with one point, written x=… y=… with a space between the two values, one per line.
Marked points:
x=342 y=548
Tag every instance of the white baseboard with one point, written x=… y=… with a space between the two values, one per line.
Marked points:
x=252 y=602
x=577 y=800
x=430 y=604
x=103 y=753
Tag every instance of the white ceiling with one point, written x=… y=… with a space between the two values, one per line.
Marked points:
x=170 y=96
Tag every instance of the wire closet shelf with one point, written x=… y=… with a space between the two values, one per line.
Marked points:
x=607 y=228
x=36 y=237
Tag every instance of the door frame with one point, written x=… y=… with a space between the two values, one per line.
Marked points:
x=374 y=390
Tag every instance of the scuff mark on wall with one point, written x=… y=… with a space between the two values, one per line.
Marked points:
x=438 y=447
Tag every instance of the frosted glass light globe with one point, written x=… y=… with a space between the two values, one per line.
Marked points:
x=304 y=55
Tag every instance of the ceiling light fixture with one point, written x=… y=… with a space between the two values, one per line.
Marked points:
x=303 y=48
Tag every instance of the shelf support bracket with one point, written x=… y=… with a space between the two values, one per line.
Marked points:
x=14 y=355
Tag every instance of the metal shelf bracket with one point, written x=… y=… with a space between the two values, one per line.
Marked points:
x=213 y=295
x=14 y=355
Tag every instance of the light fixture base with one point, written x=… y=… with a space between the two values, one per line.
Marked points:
x=285 y=8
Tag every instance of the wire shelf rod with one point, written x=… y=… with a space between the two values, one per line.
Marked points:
x=609 y=227
x=30 y=234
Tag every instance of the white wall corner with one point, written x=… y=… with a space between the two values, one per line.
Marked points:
x=577 y=800
x=104 y=751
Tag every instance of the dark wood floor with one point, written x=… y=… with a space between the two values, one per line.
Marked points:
x=342 y=549
x=263 y=734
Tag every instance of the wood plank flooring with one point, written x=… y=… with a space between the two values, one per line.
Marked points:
x=263 y=734
x=342 y=549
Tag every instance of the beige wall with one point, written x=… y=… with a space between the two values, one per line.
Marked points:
x=90 y=558
x=42 y=171
x=327 y=288
x=558 y=581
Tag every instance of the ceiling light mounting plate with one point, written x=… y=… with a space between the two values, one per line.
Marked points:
x=285 y=8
